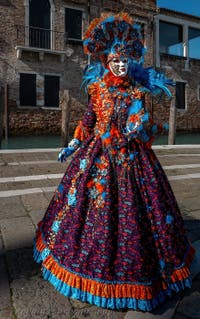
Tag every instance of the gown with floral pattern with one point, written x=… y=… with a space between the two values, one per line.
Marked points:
x=113 y=234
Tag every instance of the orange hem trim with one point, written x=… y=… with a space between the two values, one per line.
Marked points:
x=106 y=290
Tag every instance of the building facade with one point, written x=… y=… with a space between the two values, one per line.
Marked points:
x=177 y=53
x=41 y=55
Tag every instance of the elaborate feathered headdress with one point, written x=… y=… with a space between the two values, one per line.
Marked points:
x=117 y=34
x=113 y=35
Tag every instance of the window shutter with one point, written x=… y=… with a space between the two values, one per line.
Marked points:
x=51 y=90
x=27 y=89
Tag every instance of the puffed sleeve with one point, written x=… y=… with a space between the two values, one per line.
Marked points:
x=85 y=127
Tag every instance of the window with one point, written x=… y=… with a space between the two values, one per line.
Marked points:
x=27 y=89
x=51 y=90
x=180 y=95
x=194 y=43
x=39 y=24
x=171 y=38
x=73 y=23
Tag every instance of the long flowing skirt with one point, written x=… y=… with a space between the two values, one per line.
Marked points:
x=113 y=234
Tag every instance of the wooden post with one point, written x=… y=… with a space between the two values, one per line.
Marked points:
x=65 y=104
x=6 y=112
x=172 y=123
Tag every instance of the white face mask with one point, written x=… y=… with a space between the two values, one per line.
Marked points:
x=118 y=65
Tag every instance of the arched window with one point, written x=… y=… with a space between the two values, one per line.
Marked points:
x=40 y=23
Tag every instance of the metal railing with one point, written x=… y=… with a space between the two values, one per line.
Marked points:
x=40 y=38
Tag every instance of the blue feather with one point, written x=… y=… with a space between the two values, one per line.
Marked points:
x=151 y=80
x=92 y=73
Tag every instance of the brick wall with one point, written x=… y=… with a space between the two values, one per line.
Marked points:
x=43 y=121
x=174 y=67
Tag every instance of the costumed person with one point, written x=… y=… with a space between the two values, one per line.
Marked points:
x=113 y=234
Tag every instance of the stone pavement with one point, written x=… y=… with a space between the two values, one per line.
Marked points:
x=27 y=181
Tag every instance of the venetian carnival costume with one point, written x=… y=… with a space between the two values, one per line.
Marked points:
x=113 y=234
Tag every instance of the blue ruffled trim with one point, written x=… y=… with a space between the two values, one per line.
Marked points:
x=111 y=303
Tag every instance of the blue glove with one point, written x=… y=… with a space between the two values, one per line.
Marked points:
x=69 y=150
x=64 y=153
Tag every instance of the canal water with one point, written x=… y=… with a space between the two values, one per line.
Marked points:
x=23 y=142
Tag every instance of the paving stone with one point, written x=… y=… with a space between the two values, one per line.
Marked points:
x=184 y=187
x=180 y=171
x=1 y=245
x=33 y=167
x=6 y=314
x=4 y=285
x=191 y=203
x=15 y=170
x=35 y=298
x=193 y=234
x=190 y=306
x=166 y=311
x=49 y=195
x=195 y=267
x=17 y=232
x=198 y=276
x=94 y=312
x=54 y=156
x=195 y=214
x=34 y=201
x=44 y=168
x=21 y=263
x=54 y=182
x=36 y=216
x=7 y=158
x=180 y=316
x=76 y=304
x=11 y=207
x=186 y=213
x=27 y=184
x=139 y=315
x=44 y=156
x=192 y=227
x=195 y=286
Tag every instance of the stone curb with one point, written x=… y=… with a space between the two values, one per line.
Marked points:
x=41 y=150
